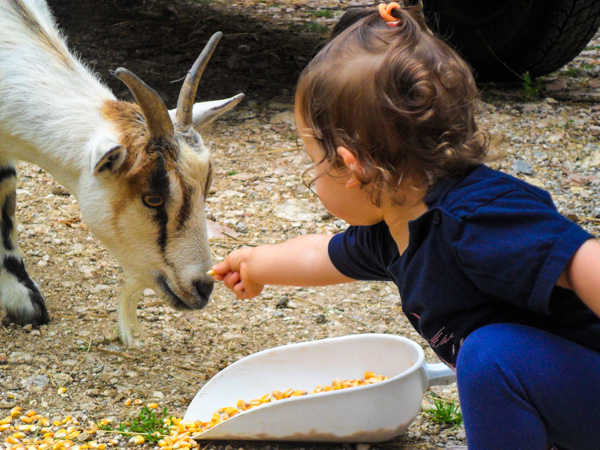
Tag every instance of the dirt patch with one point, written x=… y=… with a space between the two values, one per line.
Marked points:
x=159 y=40
x=258 y=159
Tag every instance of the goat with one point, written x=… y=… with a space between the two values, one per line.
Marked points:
x=140 y=172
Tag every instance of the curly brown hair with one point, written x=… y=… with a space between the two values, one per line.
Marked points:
x=401 y=100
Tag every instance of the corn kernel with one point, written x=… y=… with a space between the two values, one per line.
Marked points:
x=138 y=401
x=288 y=393
x=241 y=404
x=128 y=401
x=152 y=405
x=6 y=420
x=137 y=440
x=5 y=427
x=62 y=390
x=277 y=394
x=26 y=419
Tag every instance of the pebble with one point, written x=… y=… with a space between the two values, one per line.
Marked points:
x=241 y=227
x=283 y=302
x=37 y=383
x=296 y=210
x=523 y=167
x=286 y=117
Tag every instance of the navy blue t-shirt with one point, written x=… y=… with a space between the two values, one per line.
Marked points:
x=490 y=249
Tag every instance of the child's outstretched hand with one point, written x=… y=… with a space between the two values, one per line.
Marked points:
x=234 y=274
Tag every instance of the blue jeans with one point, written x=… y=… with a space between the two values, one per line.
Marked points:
x=522 y=388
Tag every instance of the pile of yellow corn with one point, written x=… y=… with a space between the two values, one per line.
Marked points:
x=30 y=431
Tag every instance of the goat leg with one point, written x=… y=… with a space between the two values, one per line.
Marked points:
x=20 y=295
x=126 y=312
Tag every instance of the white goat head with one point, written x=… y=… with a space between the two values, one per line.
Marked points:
x=141 y=173
x=154 y=174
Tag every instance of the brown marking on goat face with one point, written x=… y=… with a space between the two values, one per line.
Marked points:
x=146 y=157
x=50 y=41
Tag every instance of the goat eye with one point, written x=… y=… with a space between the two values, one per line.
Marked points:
x=152 y=200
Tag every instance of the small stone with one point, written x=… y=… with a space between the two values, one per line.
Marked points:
x=523 y=167
x=27 y=328
x=241 y=227
x=37 y=383
x=321 y=319
x=283 y=302
x=21 y=357
x=286 y=117
x=99 y=288
x=296 y=210
x=84 y=437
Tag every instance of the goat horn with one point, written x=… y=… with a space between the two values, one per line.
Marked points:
x=185 y=103
x=154 y=109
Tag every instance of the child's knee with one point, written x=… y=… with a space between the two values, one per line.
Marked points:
x=485 y=355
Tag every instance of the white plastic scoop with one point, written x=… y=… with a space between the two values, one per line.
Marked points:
x=372 y=413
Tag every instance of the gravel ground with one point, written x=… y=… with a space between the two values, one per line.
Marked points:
x=258 y=197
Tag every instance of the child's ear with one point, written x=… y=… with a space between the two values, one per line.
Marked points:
x=352 y=164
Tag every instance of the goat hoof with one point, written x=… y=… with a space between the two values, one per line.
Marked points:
x=25 y=306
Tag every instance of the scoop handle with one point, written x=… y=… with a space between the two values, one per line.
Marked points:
x=440 y=374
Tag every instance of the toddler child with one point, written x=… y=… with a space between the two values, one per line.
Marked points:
x=504 y=288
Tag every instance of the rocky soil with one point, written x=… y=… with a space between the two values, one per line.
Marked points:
x=257 y=197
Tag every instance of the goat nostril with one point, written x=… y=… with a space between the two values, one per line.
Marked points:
x=204 y=288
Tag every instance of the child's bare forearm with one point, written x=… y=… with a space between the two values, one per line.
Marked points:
x=583 y=275
x=302 y=261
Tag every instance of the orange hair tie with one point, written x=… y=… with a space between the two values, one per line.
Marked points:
x=386 y=13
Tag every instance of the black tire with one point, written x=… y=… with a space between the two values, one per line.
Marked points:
x=503 y=39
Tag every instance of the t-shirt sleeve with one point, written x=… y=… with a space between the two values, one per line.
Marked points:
x=360 y=253
x=516 y=247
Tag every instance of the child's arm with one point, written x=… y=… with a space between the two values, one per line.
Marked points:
x=583 y=275
x=302 y=261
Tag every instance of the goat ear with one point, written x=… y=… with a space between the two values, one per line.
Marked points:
x=205 y=112
x=107 y=157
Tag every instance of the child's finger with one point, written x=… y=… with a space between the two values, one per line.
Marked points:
x=238 y=289
x=221 y=268
x=231 y=279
